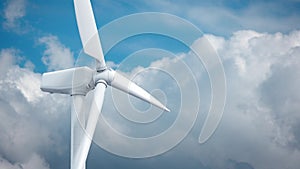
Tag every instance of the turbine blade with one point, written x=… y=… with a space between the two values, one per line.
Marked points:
x=77 y=132
x=80 y=155
x=122 y=83
x=88 y=30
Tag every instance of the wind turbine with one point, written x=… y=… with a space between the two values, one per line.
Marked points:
x=79 y=81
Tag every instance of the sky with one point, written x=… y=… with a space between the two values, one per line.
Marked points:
x=258 y=43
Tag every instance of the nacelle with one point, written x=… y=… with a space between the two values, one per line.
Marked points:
x=72 y=81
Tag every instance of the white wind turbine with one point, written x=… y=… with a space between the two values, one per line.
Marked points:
x=85 y=80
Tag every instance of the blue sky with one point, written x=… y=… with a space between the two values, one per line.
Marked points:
x=214 y=17
x=258 y=43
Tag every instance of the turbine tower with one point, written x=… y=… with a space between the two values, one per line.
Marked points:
x=79 y=81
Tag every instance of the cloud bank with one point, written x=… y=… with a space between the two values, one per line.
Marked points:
x=259 y=124
x=33 y=133
x=260 y=127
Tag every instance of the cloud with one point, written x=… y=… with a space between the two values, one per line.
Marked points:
x=35 y=162
x=8 y=58
x=284 y=79
x=227 y=17
x=56 y=56
x=260 y=126
x=14 y=12
x=33 y=133
x=261 y=69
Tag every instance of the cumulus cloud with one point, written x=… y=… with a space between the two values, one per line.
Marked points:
x=56 y=56
x=14 y=12
x=260 y=126
x=284 y=79
x=261 y=71
x=32 y=131
x=9 y=57
x=35 y=162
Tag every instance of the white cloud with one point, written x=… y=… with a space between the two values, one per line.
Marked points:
x=224 y=18
x=111 y=65
x=35 y=162
x=8 y=58
x=56 y=56
x=28 y=85
x=7 y=165
x=33 y=124
x=260 y=127
x=14 y=12
x=284 y=79
x=26 y=81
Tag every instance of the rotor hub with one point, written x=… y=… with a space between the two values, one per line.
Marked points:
x=106 y=75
